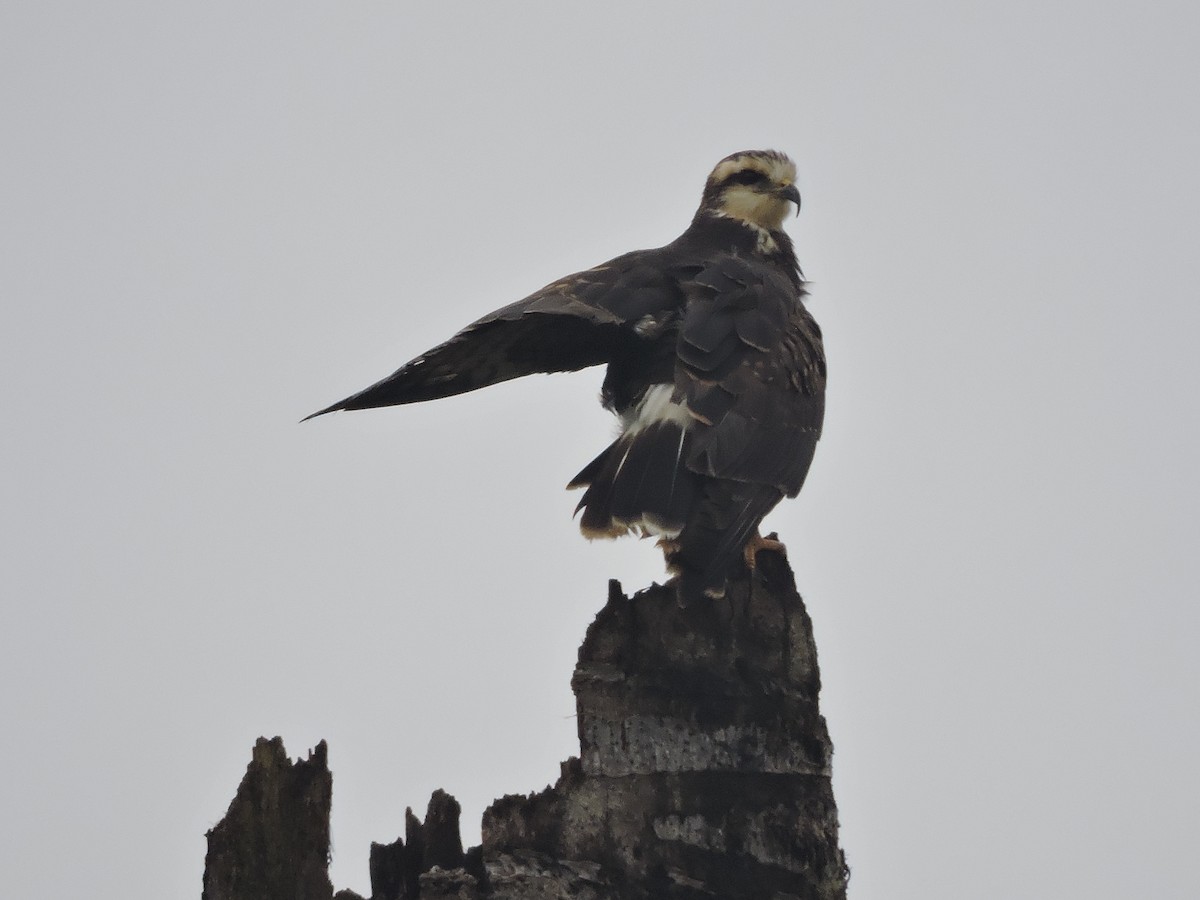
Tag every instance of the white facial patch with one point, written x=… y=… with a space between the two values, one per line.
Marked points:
x=777 y=167
x=760 y=204
x=765 y=211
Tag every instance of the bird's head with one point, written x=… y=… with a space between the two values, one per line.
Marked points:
x=754 y=187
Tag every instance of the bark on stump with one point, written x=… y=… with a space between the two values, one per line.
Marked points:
x=705 y=764
x=704 y=772
x=273 y=843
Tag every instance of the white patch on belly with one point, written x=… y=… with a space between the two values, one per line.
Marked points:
x=644 y=526
x=653 y=527
x=656 y=406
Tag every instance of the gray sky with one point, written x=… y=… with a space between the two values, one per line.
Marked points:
x=218 y=218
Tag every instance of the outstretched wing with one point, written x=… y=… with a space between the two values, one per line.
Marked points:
x=752 y=371
x=576 y=322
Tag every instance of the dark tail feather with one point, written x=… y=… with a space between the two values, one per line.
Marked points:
x=693 y=587
x=710 y=548
x=640 y=481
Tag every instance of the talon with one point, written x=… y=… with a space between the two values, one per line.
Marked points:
x=756 y=543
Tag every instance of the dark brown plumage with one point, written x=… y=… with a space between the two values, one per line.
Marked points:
x=715 y=369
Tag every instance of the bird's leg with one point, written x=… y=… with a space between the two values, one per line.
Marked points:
x=756 y=543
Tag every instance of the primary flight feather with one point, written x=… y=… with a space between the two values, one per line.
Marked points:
x=716 y=373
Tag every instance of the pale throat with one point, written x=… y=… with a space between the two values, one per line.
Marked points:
x=764 y=211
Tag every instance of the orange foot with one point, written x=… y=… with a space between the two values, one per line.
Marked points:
x=756 y=543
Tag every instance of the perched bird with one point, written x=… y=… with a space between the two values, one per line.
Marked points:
x=716 y=373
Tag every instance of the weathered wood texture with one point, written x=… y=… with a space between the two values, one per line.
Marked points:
x=704 y=771
x=273 y=843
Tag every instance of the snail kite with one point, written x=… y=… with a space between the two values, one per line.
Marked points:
x=715 y=370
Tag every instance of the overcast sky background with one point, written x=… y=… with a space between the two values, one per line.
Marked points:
x=218 y=218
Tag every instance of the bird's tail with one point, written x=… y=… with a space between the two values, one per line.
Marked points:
x=640 y=483
x=710 y=549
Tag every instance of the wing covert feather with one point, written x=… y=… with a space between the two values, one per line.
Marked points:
x=752 y=371
x=573 y=323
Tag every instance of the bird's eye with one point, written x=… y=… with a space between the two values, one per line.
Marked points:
x=747 y=176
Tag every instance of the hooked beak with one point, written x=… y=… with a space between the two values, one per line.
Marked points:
x=791 y=193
